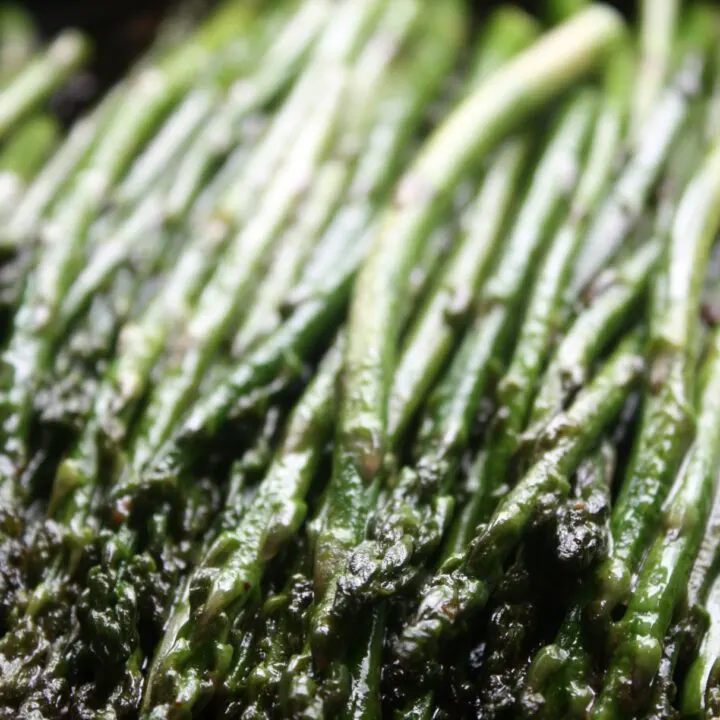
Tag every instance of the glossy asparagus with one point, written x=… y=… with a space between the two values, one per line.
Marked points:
x=516 y=390
x=23 y=156
x=394 y=550
x=624 y=205
x=664 y=574
x=468 y=134
x=463 y=584
x=658 y=28
x=34 y=84
x=232 y=283
x=667 y=421
x=232 y=569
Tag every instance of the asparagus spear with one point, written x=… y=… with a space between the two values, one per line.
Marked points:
x=516 y=390
x=232 y=569
x=343 y=38
x=463 y=584
x=701 y=676
x=668 y=409
x=667 y=568
x=702 y=600
x=324 y=295
x=169 y=143
x=621 y=210
x=229 y=287
x=41 y=77
x=412 y=519
x=465 y=136
x=290 y=254
x=18 y=40
x=50 y=182
x=713 y=104
x=32 y=338
x=658 y=27
x=22 y=156
x=210 y=166
x=610 y=302
x=431 y=336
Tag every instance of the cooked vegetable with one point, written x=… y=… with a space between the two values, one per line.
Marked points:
x=361 y=360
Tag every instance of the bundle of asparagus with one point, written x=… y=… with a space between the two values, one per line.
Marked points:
x=359 y=363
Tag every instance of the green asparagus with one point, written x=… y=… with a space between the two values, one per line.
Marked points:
x=464 y=582
x=389 y=558
x=664 y=573
x=466 y=135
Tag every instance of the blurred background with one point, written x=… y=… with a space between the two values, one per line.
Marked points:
x=121 y=30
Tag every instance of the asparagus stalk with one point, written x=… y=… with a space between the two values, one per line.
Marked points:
x=33 y=85
x=699 y=681
x=469 y=132
x=24 y=225
x=323 y=295
x=713 y=105
x=658 y=27
x=157 y=86
x=231 y=571
x=229 y=288
x=431 y=335
x=516 y=390
x=293 y=248
x=618 y=293
x=667 y=568
x=610 y=303
x=169 y=143
x=393 y=552
x=702 y=598
x=463 y=584
x=211 y=164
x=22 y=156
x=280 y=63
x=668 y=408
x=622 y=208
x=18 y=40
